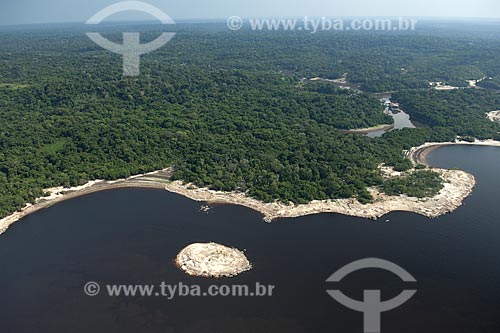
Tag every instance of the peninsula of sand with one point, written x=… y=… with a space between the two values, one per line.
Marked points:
x=457 y=186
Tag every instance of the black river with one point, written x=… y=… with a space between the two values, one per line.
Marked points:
x=132 y=236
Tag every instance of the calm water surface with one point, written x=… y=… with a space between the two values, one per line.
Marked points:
x=131 y=236
x=401 y=118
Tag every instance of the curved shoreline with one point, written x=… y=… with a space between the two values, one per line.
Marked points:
x=418 y=155
x=156 y=180
x=458 y=186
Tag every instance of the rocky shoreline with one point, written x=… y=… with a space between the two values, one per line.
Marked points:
x=458 y=186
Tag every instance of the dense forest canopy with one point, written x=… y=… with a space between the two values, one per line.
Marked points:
x=229 y=109
x=462 y=112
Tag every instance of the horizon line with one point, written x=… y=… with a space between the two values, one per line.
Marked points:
x=224 y=19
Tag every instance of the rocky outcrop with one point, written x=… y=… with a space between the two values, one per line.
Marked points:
x=212 y=260
x=458 y=186
x=494 y=116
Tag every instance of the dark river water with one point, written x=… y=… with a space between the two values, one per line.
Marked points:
x=131 y=236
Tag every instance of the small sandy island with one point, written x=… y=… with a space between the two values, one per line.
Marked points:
x=494 y=116
x=212 y=260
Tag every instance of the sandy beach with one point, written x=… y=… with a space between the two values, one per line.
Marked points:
x=370 y=129
x=418 y=155
x=458 y=186
x=156 y=179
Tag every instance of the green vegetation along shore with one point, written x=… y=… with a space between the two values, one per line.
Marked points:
x=229 y=111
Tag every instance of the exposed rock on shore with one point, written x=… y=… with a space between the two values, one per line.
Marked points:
x=494 y=116
x=458 y=186
x=212 y=260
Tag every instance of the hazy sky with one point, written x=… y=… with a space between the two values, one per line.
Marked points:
x=43 y=11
